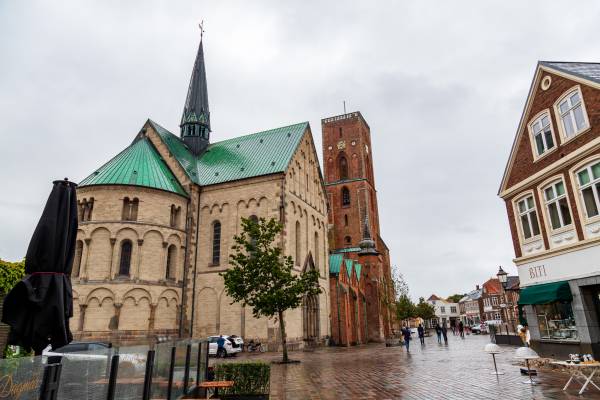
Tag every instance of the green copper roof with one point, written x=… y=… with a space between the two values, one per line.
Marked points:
x=335 y=263
x=257 y=154
x=357 y=269
x=349 y=267
x=347 y=250
x=139 y=165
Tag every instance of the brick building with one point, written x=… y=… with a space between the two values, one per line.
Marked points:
x=354 y=223
x=157 y=222
x=492 y=298
x=551 y=188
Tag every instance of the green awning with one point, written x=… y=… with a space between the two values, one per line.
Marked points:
x=545 y=293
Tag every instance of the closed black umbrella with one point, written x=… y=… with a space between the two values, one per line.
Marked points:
x=38 y=308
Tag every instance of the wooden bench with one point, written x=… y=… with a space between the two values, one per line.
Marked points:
x=215 y=385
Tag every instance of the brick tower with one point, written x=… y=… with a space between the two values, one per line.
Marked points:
x=354 y=216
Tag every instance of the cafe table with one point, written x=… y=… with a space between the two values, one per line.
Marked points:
x=578 y=371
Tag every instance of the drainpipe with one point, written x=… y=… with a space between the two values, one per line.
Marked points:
x=195 y=265
x=185 y=267
x=337 y=278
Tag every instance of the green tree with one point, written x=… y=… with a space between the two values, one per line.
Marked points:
x=261 y=277
x=10 y=274
x=405 y=308
x=424 y=310
x=455 y=298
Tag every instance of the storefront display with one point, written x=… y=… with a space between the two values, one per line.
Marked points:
x=556 y=321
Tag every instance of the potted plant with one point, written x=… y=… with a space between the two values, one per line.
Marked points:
x=251 y=380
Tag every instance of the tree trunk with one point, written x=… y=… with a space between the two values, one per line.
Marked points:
x=283 y=337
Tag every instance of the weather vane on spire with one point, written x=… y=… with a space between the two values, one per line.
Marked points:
x=201 y=25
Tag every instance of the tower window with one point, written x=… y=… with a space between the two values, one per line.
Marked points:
x=216 y=243
x=345 y=220
x=171 y=261
x=297 y=238
x=340 y=131
x=348 y=240
x=345 y=196
x=343 y=167
x=125 y=263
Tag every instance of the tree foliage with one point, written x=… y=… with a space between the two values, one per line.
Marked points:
x=424 y=310
x=455 y=298
x=405 y=308
x=10 y=274
x=399 y=284
x=262 y=278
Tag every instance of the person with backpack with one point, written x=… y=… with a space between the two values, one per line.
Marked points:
x=406 y=336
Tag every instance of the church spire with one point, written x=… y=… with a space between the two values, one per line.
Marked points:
x=367 y=244
x=195 y=120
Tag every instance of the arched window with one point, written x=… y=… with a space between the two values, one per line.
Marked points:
x=171 y=262
x=348 y=240
x=216 y=243
x=345 y=220
x=343 y=167
x=345 y=197
x=77 y=259
x=340 y=131
x=130 y=209
x=297 y=238
x=175 y=213
x=87 y=215
x=254 y=219
x=316 y=259
x=125 y=263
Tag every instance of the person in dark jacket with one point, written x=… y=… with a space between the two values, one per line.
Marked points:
x=445 y=333
x=406 y=336
x=461 y=329
x=438 y=332
x=221 y=346
x=421 y=333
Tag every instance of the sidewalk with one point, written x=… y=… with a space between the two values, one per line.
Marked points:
x=460 y=370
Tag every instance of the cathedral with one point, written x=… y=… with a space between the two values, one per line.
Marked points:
x=157 y=221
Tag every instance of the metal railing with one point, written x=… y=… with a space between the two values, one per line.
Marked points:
x=168 y=370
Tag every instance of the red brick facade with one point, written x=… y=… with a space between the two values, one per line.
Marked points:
x=352 y=199
x=522 y=165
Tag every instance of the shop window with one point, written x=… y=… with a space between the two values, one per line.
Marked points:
x=556 y=321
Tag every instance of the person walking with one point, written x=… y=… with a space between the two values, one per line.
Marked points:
x=445 y=333
x=421 y=333
x=438 y=332
x=221 y=346
x=406 y=336
x=461 y=329
x=453 y=326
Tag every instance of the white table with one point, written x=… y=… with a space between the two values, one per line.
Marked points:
x=576 y=371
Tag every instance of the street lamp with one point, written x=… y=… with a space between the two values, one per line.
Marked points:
x=503 y=278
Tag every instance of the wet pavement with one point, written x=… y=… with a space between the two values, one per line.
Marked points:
x=459 y=370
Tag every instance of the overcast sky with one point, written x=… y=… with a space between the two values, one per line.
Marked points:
x=442 y=85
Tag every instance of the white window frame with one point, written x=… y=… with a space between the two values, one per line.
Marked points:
x=494 y=301
x=518 y=214
x=557 y=113
x=592 y=183
x=547 y=150
x=552 y=185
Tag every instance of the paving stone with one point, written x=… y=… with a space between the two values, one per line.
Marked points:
x=459 y=370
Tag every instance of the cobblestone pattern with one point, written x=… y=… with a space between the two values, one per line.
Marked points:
x=459 y=370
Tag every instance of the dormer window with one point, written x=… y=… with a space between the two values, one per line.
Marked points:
x=571 y=113
x=542 y=135
x=528 y=217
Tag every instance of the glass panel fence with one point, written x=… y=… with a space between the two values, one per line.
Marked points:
x=84 y=374
x=20 y=378
x=132 y=369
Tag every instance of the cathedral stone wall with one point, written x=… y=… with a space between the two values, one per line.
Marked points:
x=114 y=306
x=303 y=202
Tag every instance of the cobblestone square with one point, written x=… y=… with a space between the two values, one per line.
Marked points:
x=459 y=370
